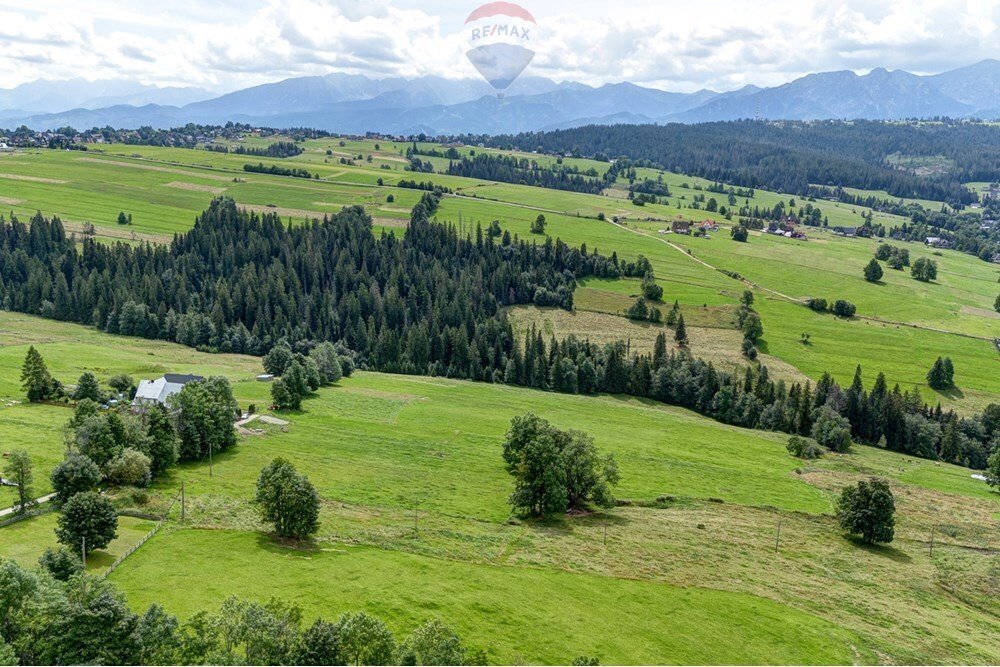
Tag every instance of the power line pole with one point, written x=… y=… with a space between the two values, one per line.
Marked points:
x=182 y=501
x=209 y=458
x=777 y=538
x=83 y=549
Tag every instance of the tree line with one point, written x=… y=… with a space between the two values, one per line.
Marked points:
x=790 y=156
x=58 y=615
x=428 y=303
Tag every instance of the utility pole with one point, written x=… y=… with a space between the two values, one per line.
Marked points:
x=209 y=458
x=777 y=538
x=416 y=514
x=182 y=501
x=605 y=533
x=83 y=549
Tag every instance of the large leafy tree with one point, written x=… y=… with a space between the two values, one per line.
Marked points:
x=433 y=643
x=924 y=270
x=327 y=362
x=365 y=640
x=868 y=509
x=205 y=412
x=75 y=474
x=873 y=271
x=288 y=500
x=162 y=441
x=87 y=515
x=555 y=470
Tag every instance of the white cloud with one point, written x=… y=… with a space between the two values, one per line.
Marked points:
x=719 y=44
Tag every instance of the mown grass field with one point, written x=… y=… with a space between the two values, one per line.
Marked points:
x=911 y=323
x=414 y=525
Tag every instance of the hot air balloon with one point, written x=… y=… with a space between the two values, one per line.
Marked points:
x=500 y=36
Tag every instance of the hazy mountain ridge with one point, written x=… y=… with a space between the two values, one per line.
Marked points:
x=356 y=103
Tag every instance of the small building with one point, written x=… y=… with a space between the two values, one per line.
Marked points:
x=158 y=391
x=849 y=232
x=708 y=226
x=680 y=227
x=265 y=377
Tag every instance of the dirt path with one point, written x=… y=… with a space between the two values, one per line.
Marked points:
x=38 y=501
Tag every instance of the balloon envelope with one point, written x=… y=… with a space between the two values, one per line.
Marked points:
x=500 y=36
x=500 y=64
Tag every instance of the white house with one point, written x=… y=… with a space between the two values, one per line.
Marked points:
x=158 y=391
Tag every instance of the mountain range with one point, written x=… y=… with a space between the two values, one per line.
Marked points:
x=435 y=105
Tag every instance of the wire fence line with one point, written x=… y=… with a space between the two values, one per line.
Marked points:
x=145 y=538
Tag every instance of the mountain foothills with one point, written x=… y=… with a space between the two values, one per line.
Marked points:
x=704 y=393
x=434 y=105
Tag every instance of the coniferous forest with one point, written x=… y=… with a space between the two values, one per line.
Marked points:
x=430 y=303
x=789 y=156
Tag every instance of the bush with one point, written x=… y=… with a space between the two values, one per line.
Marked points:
x=831 y=430
x=130 y=468
x=843 y=308
x=61 y=563
x=803 y=448
x=739 y=233
x=819 y=305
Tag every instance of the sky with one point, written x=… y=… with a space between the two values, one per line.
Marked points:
x=676 y=45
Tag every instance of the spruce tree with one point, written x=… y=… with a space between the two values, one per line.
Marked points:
x=680 y=335
x=35 y=378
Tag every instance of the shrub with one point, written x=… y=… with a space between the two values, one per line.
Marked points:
x=61 y=563
x=831 y=430
x=843 y=308
x=130 y=468
x=803 y=448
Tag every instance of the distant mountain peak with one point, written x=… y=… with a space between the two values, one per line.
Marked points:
x=355 y=103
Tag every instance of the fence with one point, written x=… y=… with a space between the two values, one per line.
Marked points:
x=27 y=515
x=145 y=538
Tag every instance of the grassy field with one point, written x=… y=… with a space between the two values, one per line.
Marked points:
x=413 y=487
x=908 y=325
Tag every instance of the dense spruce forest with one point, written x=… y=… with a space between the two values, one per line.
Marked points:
x=431 y=303
x=510 y=169
x=788 y=156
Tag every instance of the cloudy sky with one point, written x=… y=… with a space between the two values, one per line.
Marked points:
x=673 y=44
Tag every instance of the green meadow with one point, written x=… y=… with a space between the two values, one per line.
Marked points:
x=415 y=524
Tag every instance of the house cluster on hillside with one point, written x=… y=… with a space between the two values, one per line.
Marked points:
x=785 y=227
x=938 y=242
x=849 y=232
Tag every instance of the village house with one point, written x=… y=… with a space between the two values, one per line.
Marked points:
x=158 y=391
x=708 y=226
x=681 y=227
x=849 y=232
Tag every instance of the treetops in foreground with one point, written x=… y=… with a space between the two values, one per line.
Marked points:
x=57 y=615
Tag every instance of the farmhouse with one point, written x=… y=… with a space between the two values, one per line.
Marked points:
x=681 y=227
x=158 y=391
x=849 y=232
x=708 y=226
